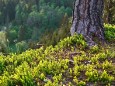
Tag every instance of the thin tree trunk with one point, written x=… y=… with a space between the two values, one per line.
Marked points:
x=108 y=12
x=87 y=20
x=37 y=4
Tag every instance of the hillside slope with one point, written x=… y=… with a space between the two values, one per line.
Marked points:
x=69 y=63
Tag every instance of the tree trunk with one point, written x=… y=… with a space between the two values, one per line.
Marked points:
x=87 y=20
x=37 y=4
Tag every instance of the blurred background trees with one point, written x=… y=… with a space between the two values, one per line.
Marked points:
x=109 y=11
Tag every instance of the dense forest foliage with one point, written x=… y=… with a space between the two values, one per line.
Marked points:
x=27 y=23
x=24 y=22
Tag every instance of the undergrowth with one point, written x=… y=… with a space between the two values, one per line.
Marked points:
x=69 y=63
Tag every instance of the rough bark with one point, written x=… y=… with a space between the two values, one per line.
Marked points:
x=87 y=20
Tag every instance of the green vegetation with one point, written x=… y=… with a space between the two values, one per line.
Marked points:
x=70 y=62
x=36 y=48
x=110 y=32
x=28 y=20
x=34 y=21
x=48 y=39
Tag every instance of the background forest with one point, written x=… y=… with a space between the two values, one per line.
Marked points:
x=28 y=24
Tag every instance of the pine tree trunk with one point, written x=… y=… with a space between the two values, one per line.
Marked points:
x=87 y=20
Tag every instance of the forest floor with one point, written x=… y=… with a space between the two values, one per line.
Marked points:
x=69 y=63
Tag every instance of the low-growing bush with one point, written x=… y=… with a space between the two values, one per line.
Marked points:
x=67 y=63
x=4 y=42
x=109 y=32
x=21 y=46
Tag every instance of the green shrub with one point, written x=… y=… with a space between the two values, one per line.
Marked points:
x=106 y=78
x=21 y=46
x=4 y=43
x=94 y=49
x=12 y=36
x=109 y=32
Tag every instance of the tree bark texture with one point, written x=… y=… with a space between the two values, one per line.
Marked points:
x=87 y=19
